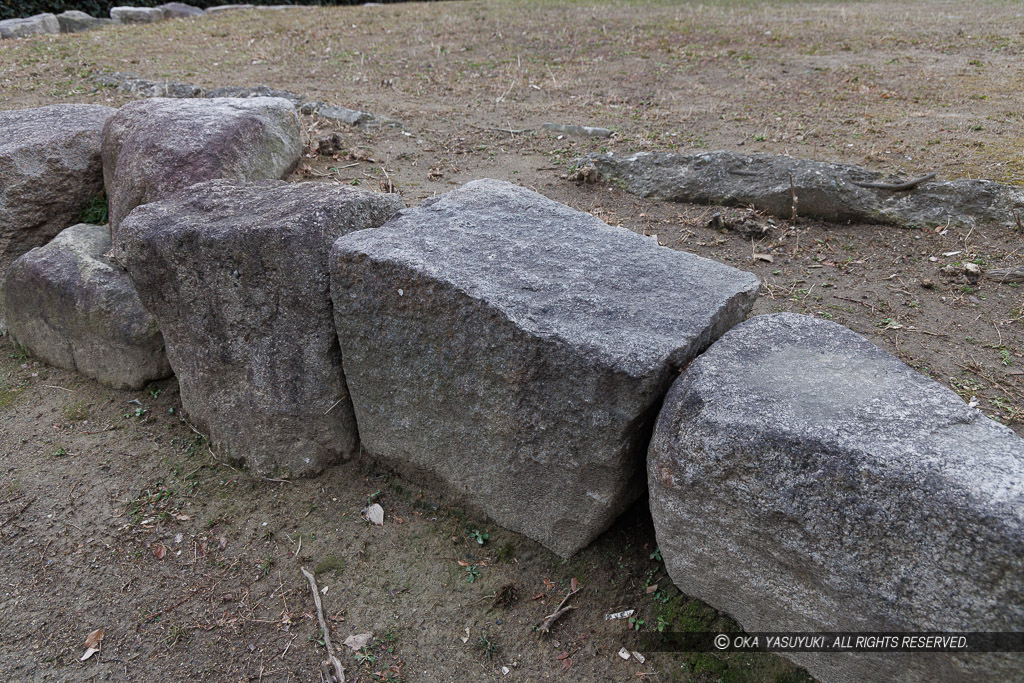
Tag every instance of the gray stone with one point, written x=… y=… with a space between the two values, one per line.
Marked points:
x=69 y=306
x=838 y=193
x=180 y=10
x=256 y=91
x=237 y=276
x=802 y=479
x=227 y=8
x=49 y=169
x=142 y=87
x=153 y=148
x=39 y=24
x=516 y=350
x=579 y=131
x=136 y=15
x=338 y=114
x=74 y=21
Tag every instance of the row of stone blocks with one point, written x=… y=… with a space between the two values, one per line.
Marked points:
x=76 y=21
x=519 y=353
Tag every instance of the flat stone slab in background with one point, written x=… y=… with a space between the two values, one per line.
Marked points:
x=38 y=24
x=69 y=306
x=153 y=148
x=180 y=10
x=802 y=479
x=237 y=276
x=50 y=168
x=136 y=15
x=516 y=350
x=828 y=192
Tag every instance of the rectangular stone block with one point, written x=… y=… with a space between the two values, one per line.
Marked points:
x=517 y=350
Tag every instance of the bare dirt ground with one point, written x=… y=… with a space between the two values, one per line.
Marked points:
x=114 y=514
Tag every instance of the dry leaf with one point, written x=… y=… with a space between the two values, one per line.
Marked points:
x=566 y=663
x=374 y=514
x=624 y=653
x=466 y=639
x=764 y=257
x=462 y=563
x=222 y=543
x=619 y=615
x=160 y=551
x=92 y=643
x=182 y=518
x=650 y=589
x=574 y=584
x=562 y=655
x=639 y=657
x=550 y=584
x=358 y=642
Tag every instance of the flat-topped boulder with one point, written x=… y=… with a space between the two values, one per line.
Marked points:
x=237 y=276
x=802 y=479
x=516 y=350
x=75 y=21
x=156 y=147
x=136 y=15
x=39 y=24
x=69 y=306
x=50 y=168
x=180 y=10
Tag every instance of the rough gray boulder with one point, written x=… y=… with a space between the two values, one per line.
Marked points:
x=49 y=169
x=802 y=479
x=74 y=21
x=143 y=87
x=839 y=193
x=68 y=305
x=136 y=15
x=156 y=147
x=179 y=10
x=237 y=277
x=256 y=91
x=516 y=350
x=38 y=24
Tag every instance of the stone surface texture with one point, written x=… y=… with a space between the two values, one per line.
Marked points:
x=256 y=91
x=237 y=277
x=143 y=87
x=802 y=479
x=136 y=15
x=825 y=191
x=516 y=350
x=180 y=10
x=68 y=305
x=156 y=147
x=49 y=170
x=74 y=21
x=38 y=24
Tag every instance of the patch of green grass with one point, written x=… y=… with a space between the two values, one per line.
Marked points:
x=76 y=411
x=96 y=211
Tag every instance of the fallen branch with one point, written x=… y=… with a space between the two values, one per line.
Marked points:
x=1011 y=274
x=896 y=187
x=549 y=620
x=339 y=670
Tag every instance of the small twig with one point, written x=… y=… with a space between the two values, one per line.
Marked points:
x=165 y=610
x=50 y=386
x=17 y=514
x=549 y=620
x=896 y=187
x=339 y=670
x=334 y=405
x=108 y=428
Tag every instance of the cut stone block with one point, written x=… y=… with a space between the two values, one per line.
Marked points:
x=237 y=276
x=136 y=15
x=516 y=350
x=50 y=168
x=802 y=479
x=154 y=148
x=69 y=306
x=180 y=10
x=39 y=24
x=74 y=21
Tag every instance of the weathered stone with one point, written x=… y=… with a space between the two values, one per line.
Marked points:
x=74 y=21
x=337 y=114
x=227 y=8
x=154 y=148
x=49 y=169
x=516 y=350
x=579 y=131
x=237 y=276
x=68 y=305
x=180 y=10
x=256 y=91
x=39 y=24
x=832 y=192
x=136 y=15
x=802 y=479
x=141 y=87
